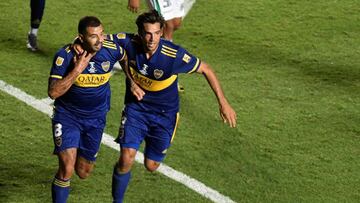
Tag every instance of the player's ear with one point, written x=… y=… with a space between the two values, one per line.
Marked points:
x=81 y=38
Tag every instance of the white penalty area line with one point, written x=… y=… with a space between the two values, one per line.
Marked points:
x=44 y=106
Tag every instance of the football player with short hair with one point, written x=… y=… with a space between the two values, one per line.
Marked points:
x=80 y=86
x=37 y=11
x=173 y=11
x=152 y=99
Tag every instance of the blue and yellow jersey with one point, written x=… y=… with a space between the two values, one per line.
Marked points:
x=89 y=96
x=158 y=75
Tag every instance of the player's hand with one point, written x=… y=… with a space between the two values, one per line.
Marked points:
x=137 y=91
x=228 y=114
x=81 y=61
x=133 y=5
x=77 y=48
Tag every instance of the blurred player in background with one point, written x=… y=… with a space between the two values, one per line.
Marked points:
x=152 y=99
x=173 y=11
x=37 y=11
x=80 y=86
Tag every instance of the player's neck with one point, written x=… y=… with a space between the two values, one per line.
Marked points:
x=150 y=53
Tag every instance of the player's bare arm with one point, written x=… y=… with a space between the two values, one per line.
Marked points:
x=135 y=88
x=227 y=113
x=134 y=5
x=57 y=88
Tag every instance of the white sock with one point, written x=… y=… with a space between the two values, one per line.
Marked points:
x=34 y=31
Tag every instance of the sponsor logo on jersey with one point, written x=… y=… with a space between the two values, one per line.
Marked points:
x=59 y=61
x=92 y=68
x=186 y=58
x=151 y=84
x=158 y=73
x=92 y=80
x=105 y=66
x=144 y=69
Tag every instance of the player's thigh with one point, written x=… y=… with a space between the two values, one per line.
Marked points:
x=84 y=166
x=161 y=136
x=90 y=138
x=65 y=131
x=133 y=128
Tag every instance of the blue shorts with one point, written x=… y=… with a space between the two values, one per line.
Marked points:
x=81 y=133
x=157 y=129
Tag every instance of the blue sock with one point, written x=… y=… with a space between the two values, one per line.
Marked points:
x=119 y=185
x=60 y=190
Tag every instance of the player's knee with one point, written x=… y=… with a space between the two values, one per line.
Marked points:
x=83 y=167
x=124 y=166
x=83 y=173
x=126 y=160
x=151 y=165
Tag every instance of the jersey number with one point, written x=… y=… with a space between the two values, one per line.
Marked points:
x=167 y=3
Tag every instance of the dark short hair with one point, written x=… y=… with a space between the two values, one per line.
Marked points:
x=87 y=21
x=149 y=17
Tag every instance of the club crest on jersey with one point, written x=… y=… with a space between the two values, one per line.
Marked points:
x=186 y=58
x=92 y=68
x=144 y=69
x=105 y=66
x=158 y=73
x=59 y=61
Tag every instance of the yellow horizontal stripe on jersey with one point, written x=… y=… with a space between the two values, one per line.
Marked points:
x=170 y=49
x=167 y=54
x=150 y=84
x=56 y=76
x=196 y=65
x=111 y=37
x=109 y=43
x=111 y=46
x=67 y=49
x=92 y=80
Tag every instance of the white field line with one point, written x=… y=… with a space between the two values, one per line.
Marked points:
x=44 y=106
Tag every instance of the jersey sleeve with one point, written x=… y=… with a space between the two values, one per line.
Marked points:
x=121 y=39
x=61 y=63
x=121 y=52
x=186 y=62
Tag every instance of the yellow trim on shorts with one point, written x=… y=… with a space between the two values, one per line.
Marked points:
x=176 y=125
